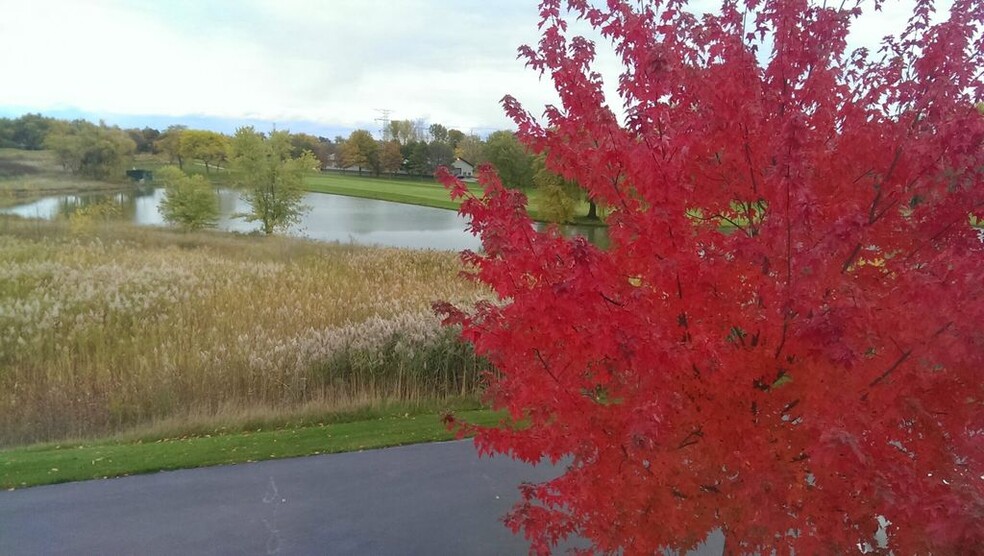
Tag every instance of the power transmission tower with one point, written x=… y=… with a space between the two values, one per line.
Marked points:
x=384 y=123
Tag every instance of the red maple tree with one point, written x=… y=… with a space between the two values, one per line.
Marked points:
x=785 y=339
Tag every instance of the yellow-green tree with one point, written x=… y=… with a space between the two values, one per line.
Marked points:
x=95 y=151
x=270 y=177
x=169 y=143
x=189 y=201
x=558 y=198
x=471 y=148
x=207 y=146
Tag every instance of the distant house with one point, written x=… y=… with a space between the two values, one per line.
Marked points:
x=461 y=168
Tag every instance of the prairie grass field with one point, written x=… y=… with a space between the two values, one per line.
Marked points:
x=119 y=328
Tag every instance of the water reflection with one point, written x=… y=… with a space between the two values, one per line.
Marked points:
x=597 y=235
x=331 y=218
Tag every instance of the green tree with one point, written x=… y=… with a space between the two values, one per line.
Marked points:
x=169 y=143
x=438 y=133
x=144 y=138
x=93 y=151
x=207 y=146
x=439 y=154
x=64 y=142
x=361 y=150
x=454 y=137
x=418 y=158
x=30 y=131
x=423 y=158
x=189 y=201
x=514 y=164
x=270 y=177
x=6 y=133
x=318 y=146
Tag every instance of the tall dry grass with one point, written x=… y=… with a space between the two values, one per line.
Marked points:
x=123 y=327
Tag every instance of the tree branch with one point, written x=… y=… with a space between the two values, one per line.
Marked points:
x=905 y=355
x=691 y=439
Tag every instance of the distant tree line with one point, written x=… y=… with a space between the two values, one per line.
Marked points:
x=408 y=147
x=26 y=132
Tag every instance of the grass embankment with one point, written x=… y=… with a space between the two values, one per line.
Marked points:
x=58 y=463
x=129 y=327
x=28 y=175
x=220 y=176
x=424 y=192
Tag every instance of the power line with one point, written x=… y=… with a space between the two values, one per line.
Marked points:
x=384 y=122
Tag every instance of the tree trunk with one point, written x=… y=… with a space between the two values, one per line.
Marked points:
x=592 y=211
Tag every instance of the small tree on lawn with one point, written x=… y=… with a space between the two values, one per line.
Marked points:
x=270 y=178
x=189 y=201
x=785 y=338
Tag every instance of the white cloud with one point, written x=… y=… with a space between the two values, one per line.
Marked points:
x=279 y=60
x=331 y=62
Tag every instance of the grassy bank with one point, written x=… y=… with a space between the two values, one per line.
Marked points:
x=126 y=327
x=424 y=192
x=28 y=175
x=58 y=463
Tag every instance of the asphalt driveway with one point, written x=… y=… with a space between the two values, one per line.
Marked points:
x=422 y=499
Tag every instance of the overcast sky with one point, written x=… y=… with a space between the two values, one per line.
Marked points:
x=324 y=66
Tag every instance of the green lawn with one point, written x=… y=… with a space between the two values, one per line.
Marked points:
x=49 y=464
x=424 y=191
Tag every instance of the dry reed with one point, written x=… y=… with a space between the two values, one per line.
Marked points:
x=123 y=327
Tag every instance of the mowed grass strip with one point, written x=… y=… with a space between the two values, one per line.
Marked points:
x=416 y=191
x=51 y=464
x=423 y=192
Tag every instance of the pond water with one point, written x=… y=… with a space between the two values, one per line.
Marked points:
x=331 y=218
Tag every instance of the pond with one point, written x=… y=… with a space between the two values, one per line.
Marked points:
x=331 y=218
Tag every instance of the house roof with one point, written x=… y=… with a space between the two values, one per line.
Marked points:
x=465 y=161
